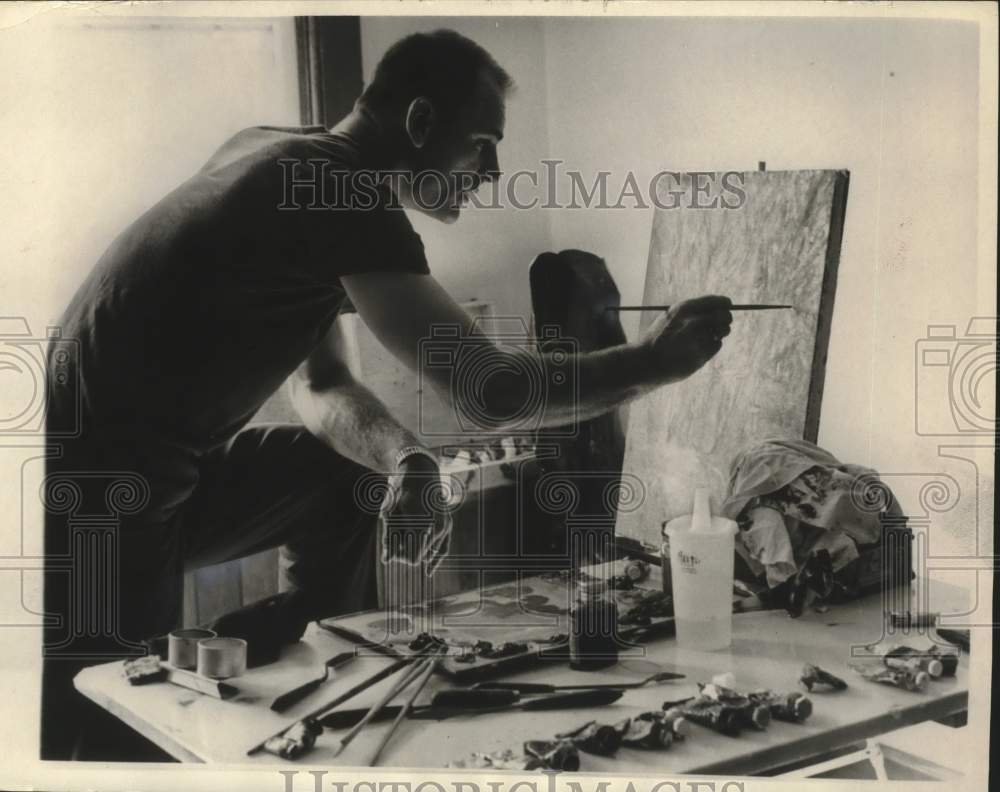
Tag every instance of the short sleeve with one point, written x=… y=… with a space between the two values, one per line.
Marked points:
x=381 y=239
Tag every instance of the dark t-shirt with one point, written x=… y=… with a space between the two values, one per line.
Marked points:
x=203 y=306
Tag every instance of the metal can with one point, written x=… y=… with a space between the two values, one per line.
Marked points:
x=593 y=637
x=665 y=573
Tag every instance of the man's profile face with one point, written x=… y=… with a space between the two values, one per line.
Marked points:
x=458 y=156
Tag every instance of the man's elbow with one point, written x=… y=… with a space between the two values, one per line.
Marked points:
x=303 y=394
x=498 y=407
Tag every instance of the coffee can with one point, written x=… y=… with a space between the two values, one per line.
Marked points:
x=220 y=658
x=182 y=646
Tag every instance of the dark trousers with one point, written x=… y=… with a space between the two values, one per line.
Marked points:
x=124 y=521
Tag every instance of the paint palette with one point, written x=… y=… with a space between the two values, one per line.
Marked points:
x=492 y=629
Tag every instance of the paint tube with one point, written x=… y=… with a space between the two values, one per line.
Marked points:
x=932 y=660
x=790 y=707
x=645 y=733
x=298 y=739
x=901 y=678
x=554 y=754
x=914 y=665
x=903 y=658
x=594 y=738
x=948 y=658
x=679 y=725
x=712 y=715
x=144 y=670
x=636 y=570
x=813 y=675
x=751 y=714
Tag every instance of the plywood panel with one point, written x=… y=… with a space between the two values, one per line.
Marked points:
x=218 y=589
x=780 y=246
x=259 y=575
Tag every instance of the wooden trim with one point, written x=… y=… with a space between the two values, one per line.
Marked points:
x=329 y=61
x=824 y=321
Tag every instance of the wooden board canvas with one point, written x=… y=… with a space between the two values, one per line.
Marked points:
x=781 y=245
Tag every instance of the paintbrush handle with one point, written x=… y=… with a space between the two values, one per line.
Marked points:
x=396 y=689
x=428 y=672
x=358 y=688
x=539 y=687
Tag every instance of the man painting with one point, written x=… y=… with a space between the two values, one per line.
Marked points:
x=229 y=287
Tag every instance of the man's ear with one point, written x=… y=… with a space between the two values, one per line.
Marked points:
x=419 y=120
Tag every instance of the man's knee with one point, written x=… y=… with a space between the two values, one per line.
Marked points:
x=333 y=559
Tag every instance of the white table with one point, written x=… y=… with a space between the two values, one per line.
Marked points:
x=768 y=650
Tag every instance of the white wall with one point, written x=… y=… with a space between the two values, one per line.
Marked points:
x=487 y=253
x=103 y=116
x=894 y=102
x=99 y=118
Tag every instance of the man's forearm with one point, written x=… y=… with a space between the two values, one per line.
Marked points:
x=352 y=421
x=574 y=387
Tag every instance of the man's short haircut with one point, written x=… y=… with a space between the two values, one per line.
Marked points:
x=442 y=66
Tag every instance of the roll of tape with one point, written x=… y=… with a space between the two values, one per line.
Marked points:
x=220 y=658
x=182 y=646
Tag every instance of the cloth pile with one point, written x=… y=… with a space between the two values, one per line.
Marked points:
x=803 y=514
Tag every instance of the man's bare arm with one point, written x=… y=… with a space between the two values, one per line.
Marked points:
x=354 y=422
x=344 y=413
x=404 y=310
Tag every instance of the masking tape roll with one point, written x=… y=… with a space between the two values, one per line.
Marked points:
x=220 y=658
x=182 y=646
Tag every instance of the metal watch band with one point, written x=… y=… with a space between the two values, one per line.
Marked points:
x=409 y=451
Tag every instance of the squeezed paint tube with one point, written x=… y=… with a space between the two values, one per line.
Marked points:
x=790 y=707
x=554 y=754
x=594 y=738
x=144 y=670
x=713 y=715
x=814 y=675
x=901 y=678
x=754 y=715
x=932 y=660
x=949 y=660
x=679 y=725
x=636 y=570
x=297 y=740
x=914 y=664
x=646 y=733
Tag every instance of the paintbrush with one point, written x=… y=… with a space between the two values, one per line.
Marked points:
x=320 y=711
x=421 y=682
x=373 y=712
x=745 y=307
x=455 y=703
x=541 y=687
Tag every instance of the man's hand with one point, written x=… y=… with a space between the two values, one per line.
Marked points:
x=686 y=337
x=416 y=514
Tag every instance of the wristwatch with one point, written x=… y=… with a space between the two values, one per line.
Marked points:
x=409 y=451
